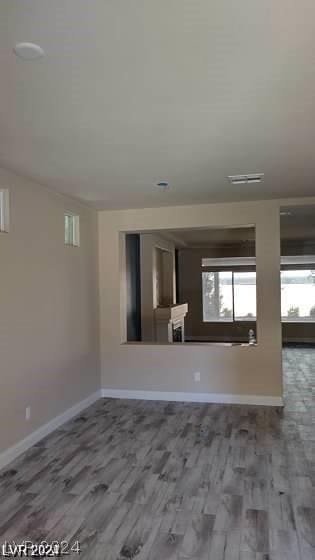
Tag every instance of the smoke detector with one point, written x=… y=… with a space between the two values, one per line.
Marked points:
x=28 y=51
x=248 y=178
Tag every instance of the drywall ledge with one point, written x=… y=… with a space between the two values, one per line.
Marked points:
x=13 y=452
x=220 y=398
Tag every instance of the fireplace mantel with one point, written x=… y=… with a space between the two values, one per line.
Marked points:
x=167 y=319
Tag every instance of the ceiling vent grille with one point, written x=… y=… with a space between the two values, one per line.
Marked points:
x=248 y=178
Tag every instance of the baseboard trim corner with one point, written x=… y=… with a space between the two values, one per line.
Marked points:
x=13 y=452
x=219 y=398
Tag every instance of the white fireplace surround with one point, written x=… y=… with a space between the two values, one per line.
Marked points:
x=167 y=318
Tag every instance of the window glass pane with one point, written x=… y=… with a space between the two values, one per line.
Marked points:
x=1 y=211
x=298 y=295
x=4 y=210
x=217 y=294
x=245 y=296
x=69 y=222
x=67 y=236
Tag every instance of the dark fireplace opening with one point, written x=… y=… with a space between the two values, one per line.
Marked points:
x=177 y=333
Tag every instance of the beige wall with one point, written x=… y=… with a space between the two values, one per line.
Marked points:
x=237 y=370
x=49 y=309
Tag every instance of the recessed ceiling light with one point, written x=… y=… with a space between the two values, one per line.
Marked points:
x=248 y=178
x=285 y=213
x=163 y=185
x=28 y=51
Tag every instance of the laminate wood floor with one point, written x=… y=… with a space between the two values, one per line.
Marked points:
x=172 y=481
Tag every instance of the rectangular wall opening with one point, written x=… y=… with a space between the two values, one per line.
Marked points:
x=192 y=286
x=298 y=275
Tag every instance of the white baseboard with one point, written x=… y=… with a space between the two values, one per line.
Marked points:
x=13 y=452
x=221 y=398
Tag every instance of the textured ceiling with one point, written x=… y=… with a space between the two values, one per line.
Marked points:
x=133 y=92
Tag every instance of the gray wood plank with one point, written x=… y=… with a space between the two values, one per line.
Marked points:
x=158 y=481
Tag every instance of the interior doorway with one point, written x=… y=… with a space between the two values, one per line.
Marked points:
x=297 y=232
x=298 y=276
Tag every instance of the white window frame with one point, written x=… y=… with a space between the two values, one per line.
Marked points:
x=75 y=226
x=4 y=211
x=233 y=319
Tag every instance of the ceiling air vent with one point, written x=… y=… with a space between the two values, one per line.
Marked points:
x=248 y=178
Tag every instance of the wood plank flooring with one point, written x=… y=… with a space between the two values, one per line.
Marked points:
x=174 y=481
